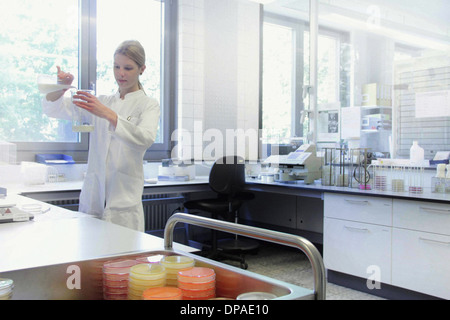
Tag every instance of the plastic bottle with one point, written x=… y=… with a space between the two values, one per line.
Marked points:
x=416 y=154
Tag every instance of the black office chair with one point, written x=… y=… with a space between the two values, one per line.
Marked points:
x=227 y=179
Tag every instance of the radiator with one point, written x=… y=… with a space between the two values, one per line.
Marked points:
x=157 y=208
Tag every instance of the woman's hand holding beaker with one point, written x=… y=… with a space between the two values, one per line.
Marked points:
x=87 y=100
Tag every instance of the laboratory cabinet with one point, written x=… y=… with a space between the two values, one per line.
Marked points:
x=421 y=247
x=374 y=210
x=358 y=249
x=357 y=235
x=406 y=241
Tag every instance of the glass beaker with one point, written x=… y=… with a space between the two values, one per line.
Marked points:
x=80 y=120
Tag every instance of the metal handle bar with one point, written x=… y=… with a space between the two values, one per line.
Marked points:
x=257 y=233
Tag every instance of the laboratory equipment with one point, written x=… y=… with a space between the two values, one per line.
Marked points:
x=398 y=178
x=173 y=265
x=256 y=296
x=6 y=288
x=116 y=277
x=80 y=120
x=360 y=169
x=198 y=283
x=173 y=170
x=327 y=167
x=47 y=84
x=302 y=164
x=9 y=212
x=416 y=154
x=415 y=185
x=380 y=180
x=162 y=293
x=145 y=276
x=438 y=182
x=341 y=179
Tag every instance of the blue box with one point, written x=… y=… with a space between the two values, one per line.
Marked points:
x=53 y=159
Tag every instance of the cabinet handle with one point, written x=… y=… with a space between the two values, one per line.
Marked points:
x=435 y=210
x=434 y=241
x=357 y=229
x=363 y=202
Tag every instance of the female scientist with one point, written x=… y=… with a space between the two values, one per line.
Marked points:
x=126 y=124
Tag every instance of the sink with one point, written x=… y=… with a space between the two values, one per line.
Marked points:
x=82 y=280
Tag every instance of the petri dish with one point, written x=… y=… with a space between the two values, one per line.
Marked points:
x=6 y=288
x=121 y=266
x=196 y=285
x=115 y=296
x=196 y=274
x=177 y=262
x=198 y=294
x=147 y=271
x=162 y=293
x=256 y=296
x=143 y=284
x=33 y=208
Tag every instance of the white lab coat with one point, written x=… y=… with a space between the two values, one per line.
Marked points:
x=112 y=189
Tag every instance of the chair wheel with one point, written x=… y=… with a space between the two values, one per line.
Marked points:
x=244 y=265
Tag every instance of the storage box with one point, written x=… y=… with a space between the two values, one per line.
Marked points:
x=52 y=159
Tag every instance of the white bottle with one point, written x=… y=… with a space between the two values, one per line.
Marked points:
x=416 y=154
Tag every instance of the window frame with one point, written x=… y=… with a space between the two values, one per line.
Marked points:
x=87 y=39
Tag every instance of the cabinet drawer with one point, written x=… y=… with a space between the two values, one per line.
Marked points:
x=353 y=248
x=421 y=262
x=422 y=216
x=358 y=208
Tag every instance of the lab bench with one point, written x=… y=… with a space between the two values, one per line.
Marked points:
x=357 y=228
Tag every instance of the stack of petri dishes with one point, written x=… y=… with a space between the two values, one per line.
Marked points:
x=6 y=289
x=95 y=276
x=144 y=276
x=228 y=284
x=115 y=279
x=173 y=265
x=197 y=283
x=380 y=182
x=162 y=293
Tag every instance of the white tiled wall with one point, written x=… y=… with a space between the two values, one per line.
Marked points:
x=218 y=76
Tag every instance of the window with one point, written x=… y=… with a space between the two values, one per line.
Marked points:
x=286 y=76
x=35 y=38
x=278 y=81
x=80 y=36
x=143 y=24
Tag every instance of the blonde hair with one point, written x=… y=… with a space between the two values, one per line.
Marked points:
x=133 y=50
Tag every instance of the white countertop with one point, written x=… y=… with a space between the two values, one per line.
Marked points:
x=299 y=184
x=39 y=243
x=60 y=236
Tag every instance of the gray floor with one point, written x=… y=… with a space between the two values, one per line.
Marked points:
x=292 y=266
